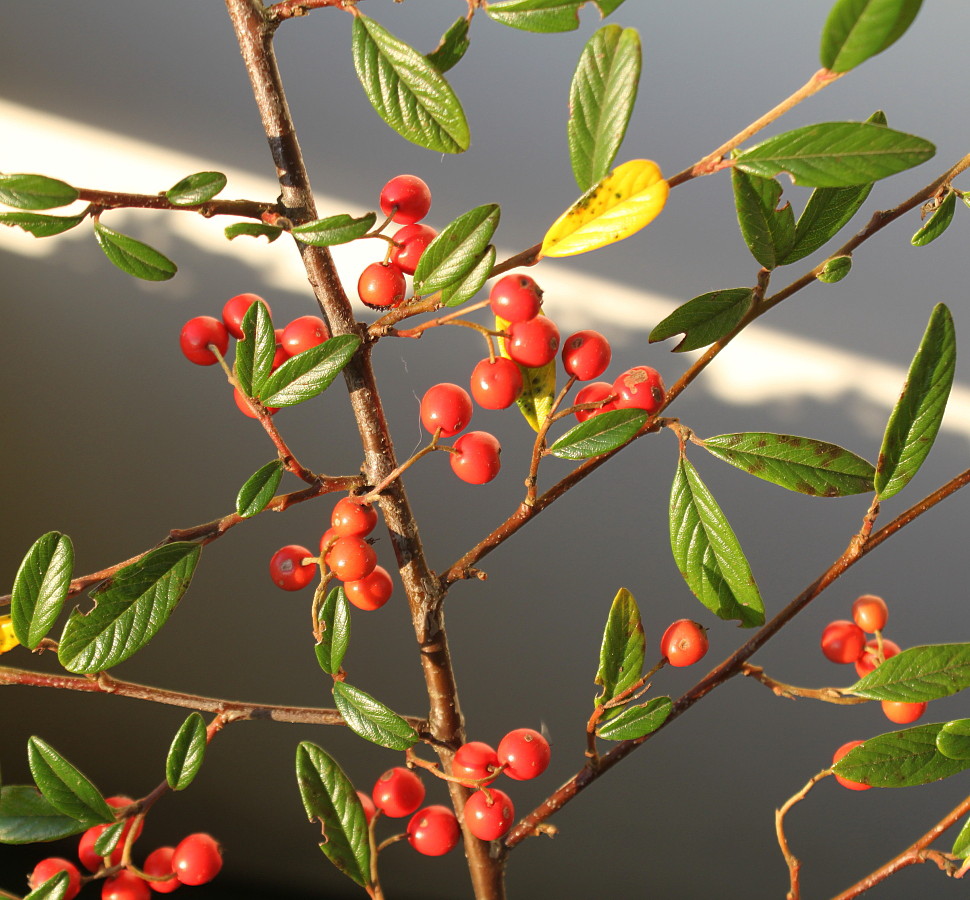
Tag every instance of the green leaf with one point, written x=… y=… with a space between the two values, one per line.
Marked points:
x=623 y=648
x=334 y=230
x=835 y=269
x=253 y=229
x=255 y=352
x=836 y=154
x=961 y=846
x=186 y=754
x=601 y=99
x=599 y=434
x=918 y=673
x=38 y=225
x=708 y=553
x=899 y=759
x=107 y=841
x=916 y=418
x=197 y=188
x=938 y=222
x=133 y=257
x=129 y=609
x=636 y=722
x=705 y=319
x=454 y=253
x=66 y=788
x=768 y=231
x=858 y=29
x=259 y=489
x=545 y=15
x=334 y=619
x=329 y=796
x=452 y=46
x=801 y=464
x=27 y=817
x=406 y=90
x=371 y=719
x=35 y=192
x=41 y=587
x=309 y=373
x=828 y=211
x=954 y=739
x=55 y=888
x=471 y=283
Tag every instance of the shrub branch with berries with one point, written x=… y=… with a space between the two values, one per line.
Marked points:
x=425 y=277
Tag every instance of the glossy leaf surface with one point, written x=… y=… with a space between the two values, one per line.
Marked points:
x=452 y=46
x=835 y=269
x=27 y=817
x=406 y=90
x=371 y=719
x=309 y=373
x=767 y=229
x=708 y=553
x=937 y=223
x=334 y=230
x=256 y=349
x=704 y=319
x=197 y=188
x=801 y=464
x=259 y=489
x=22 y=191
x=186 y=753
x=253 y=229
x=40 y=587
x=859 y=29
x=472 y=281
x=836 y=154
x=130 y=609
x=916 y=418
x=545 y=15
x=65 y=787
x=457 y=250
x=601 y=99
x=636 y=721
x=329 y=798
x=39 y=225
x=133 y=257
x=334 y=619
x=623 y=648
x=55 y=888
x=599 y=434
x=954 y=739
x=918 y=673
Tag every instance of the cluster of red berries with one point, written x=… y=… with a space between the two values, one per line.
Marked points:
x=434 y=830
x=405 y=199
x=445 y=410
x=203 y=332
x=844 y=641
x=195 y=860
x=345 y=551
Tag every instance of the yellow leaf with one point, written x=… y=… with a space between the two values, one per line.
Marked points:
x=8 y=639
x=626 y=200
x=538 y=385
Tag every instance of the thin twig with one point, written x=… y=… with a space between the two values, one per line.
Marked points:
x=826 y=694
x=792 y=861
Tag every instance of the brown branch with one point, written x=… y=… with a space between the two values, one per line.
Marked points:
x=293 y=9
x=104 y=200
x=237 y=710
x=792 y=861
x=825 y=694
x=733 y=665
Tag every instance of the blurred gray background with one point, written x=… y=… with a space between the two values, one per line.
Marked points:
x=111 y=437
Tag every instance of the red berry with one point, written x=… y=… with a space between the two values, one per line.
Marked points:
x=411 y=241
x=196 y=336
x=586 y=355
x=197 y=859
x=446 y=406
x=48 y=868
x=515 y=298
x=287 y=570
x=372 y=591
x=496 y=383
x=851 y=785
x=159 y=863
x=234 y=310
x=843 y=641
x=125 y=886
x=303 y=333
x=244 y=408
x=594 y=393
x=533 y=343
x=684 y=643
x=398 y=792
x=476 y=457
x=433 y=831
x=351 y=558
x=369 y=809
x=870 y=613
x=870 y=656
x=902 y=713
x=410 y=194
x=474 y=761
x=639 y=388
x=525 y=754
x=382 y=286
x=351 y=517
x=85 y=851
x=489 y=817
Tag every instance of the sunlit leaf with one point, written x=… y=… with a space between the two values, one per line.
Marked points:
x=23 y=191
x=256 y=350
x=64 y=786
x=938 y=222
x=259 y=489
x=769 y=231
x=309 y=373
x=623 y=647
x=954 y=739
x=253 y=229
x=472 y=281
x=334 y=619
x=545 y=15
x=40 y=587
x=54 y=888
x=133 y=257
x=636 y=722
x=195 y=189
x=626 y=200
x=452 y=46
x=705 y=319
x=835 y=269
x=599 y=434
x=40 y=225
x=371 y=719
x=457 y=250
x=334 y=230
x=918 y=674
x=858 y=29
x=186 y=753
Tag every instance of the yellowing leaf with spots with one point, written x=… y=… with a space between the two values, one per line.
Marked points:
x=625 y=201
x=538 y=384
